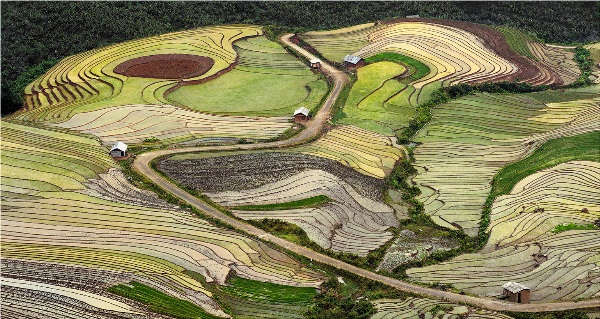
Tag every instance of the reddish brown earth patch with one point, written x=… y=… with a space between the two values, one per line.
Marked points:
x=166 y=66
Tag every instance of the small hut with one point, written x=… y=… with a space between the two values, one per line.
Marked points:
x=118 y=150
x=352 y=61
x=301 y=115
x=315 y=63
x=516 y=292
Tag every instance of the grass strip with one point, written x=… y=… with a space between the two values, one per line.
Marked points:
x=572 y=226
x=160 y=302
x=302 y=203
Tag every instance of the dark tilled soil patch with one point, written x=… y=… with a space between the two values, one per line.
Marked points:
x=166 y=66
x=247 y=171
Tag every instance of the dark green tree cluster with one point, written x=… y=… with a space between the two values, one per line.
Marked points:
x=331 y=303
x=34 y=32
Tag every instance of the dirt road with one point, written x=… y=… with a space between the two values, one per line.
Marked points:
x=142 y=164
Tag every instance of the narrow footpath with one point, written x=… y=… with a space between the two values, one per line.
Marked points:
x=314 y=126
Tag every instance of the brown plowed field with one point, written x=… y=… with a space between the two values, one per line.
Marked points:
x=495 y=41
x=166 y=66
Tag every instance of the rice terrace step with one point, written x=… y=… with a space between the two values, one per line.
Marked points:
x=300 y=160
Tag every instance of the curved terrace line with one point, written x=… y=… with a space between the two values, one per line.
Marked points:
x=142 y=165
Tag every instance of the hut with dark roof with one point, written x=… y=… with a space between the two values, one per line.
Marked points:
x=516 y=292
x=352 y=61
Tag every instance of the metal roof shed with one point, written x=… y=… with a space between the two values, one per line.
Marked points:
x=118 y=150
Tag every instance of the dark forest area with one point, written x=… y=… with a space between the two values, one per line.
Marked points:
x=35 y=35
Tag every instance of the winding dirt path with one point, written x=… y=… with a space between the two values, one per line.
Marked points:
x=142 y=165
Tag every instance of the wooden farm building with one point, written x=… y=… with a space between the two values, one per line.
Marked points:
x=516 y=292
x=352 y=61
x=118 y=150
x=301 y=115
x=315 y=63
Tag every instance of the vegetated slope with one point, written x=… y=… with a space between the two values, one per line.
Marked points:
x=267 y=81
x=451 y=52
x=90 y=81
x=53 y=184
x=485 y=132
x=118 y=92
x=595 y=55
x=411 y=307
x=523 y=246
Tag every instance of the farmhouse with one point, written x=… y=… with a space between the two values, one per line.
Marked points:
x=516 y=292
x=301 y=115
x=315 y=63
x=118 y=150
x=352 y=61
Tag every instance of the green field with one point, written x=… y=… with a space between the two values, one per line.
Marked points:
x=254 y=299
x=160 y=302
x=267 y=81
x=416 y=69
x=584 y=147
x=303 y=203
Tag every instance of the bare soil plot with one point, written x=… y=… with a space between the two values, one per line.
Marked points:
x=166 y=66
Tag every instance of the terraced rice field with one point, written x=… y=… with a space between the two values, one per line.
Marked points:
x=484 y=133
x=378 y=100
x=351 y=223
x=159 y=87
x=558 y=60
x=98 y=79
x=136 y=123
x=60 y=208
x=250 y=299
x=369 y=153
x=455 y=52
x=595 y=55
x=336 y=44
x=267 y=81
x=523 y=248
x=552 y=61
x=426 y=308
x=354 y=221
x=347 y=165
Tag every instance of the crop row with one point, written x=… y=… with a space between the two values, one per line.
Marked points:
x=484 y=133
x=367 y=152
x=115 y=226
x=522 y=246
x=135 y=123
x=353 y=223
x=220 y=172
x=427 y=308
